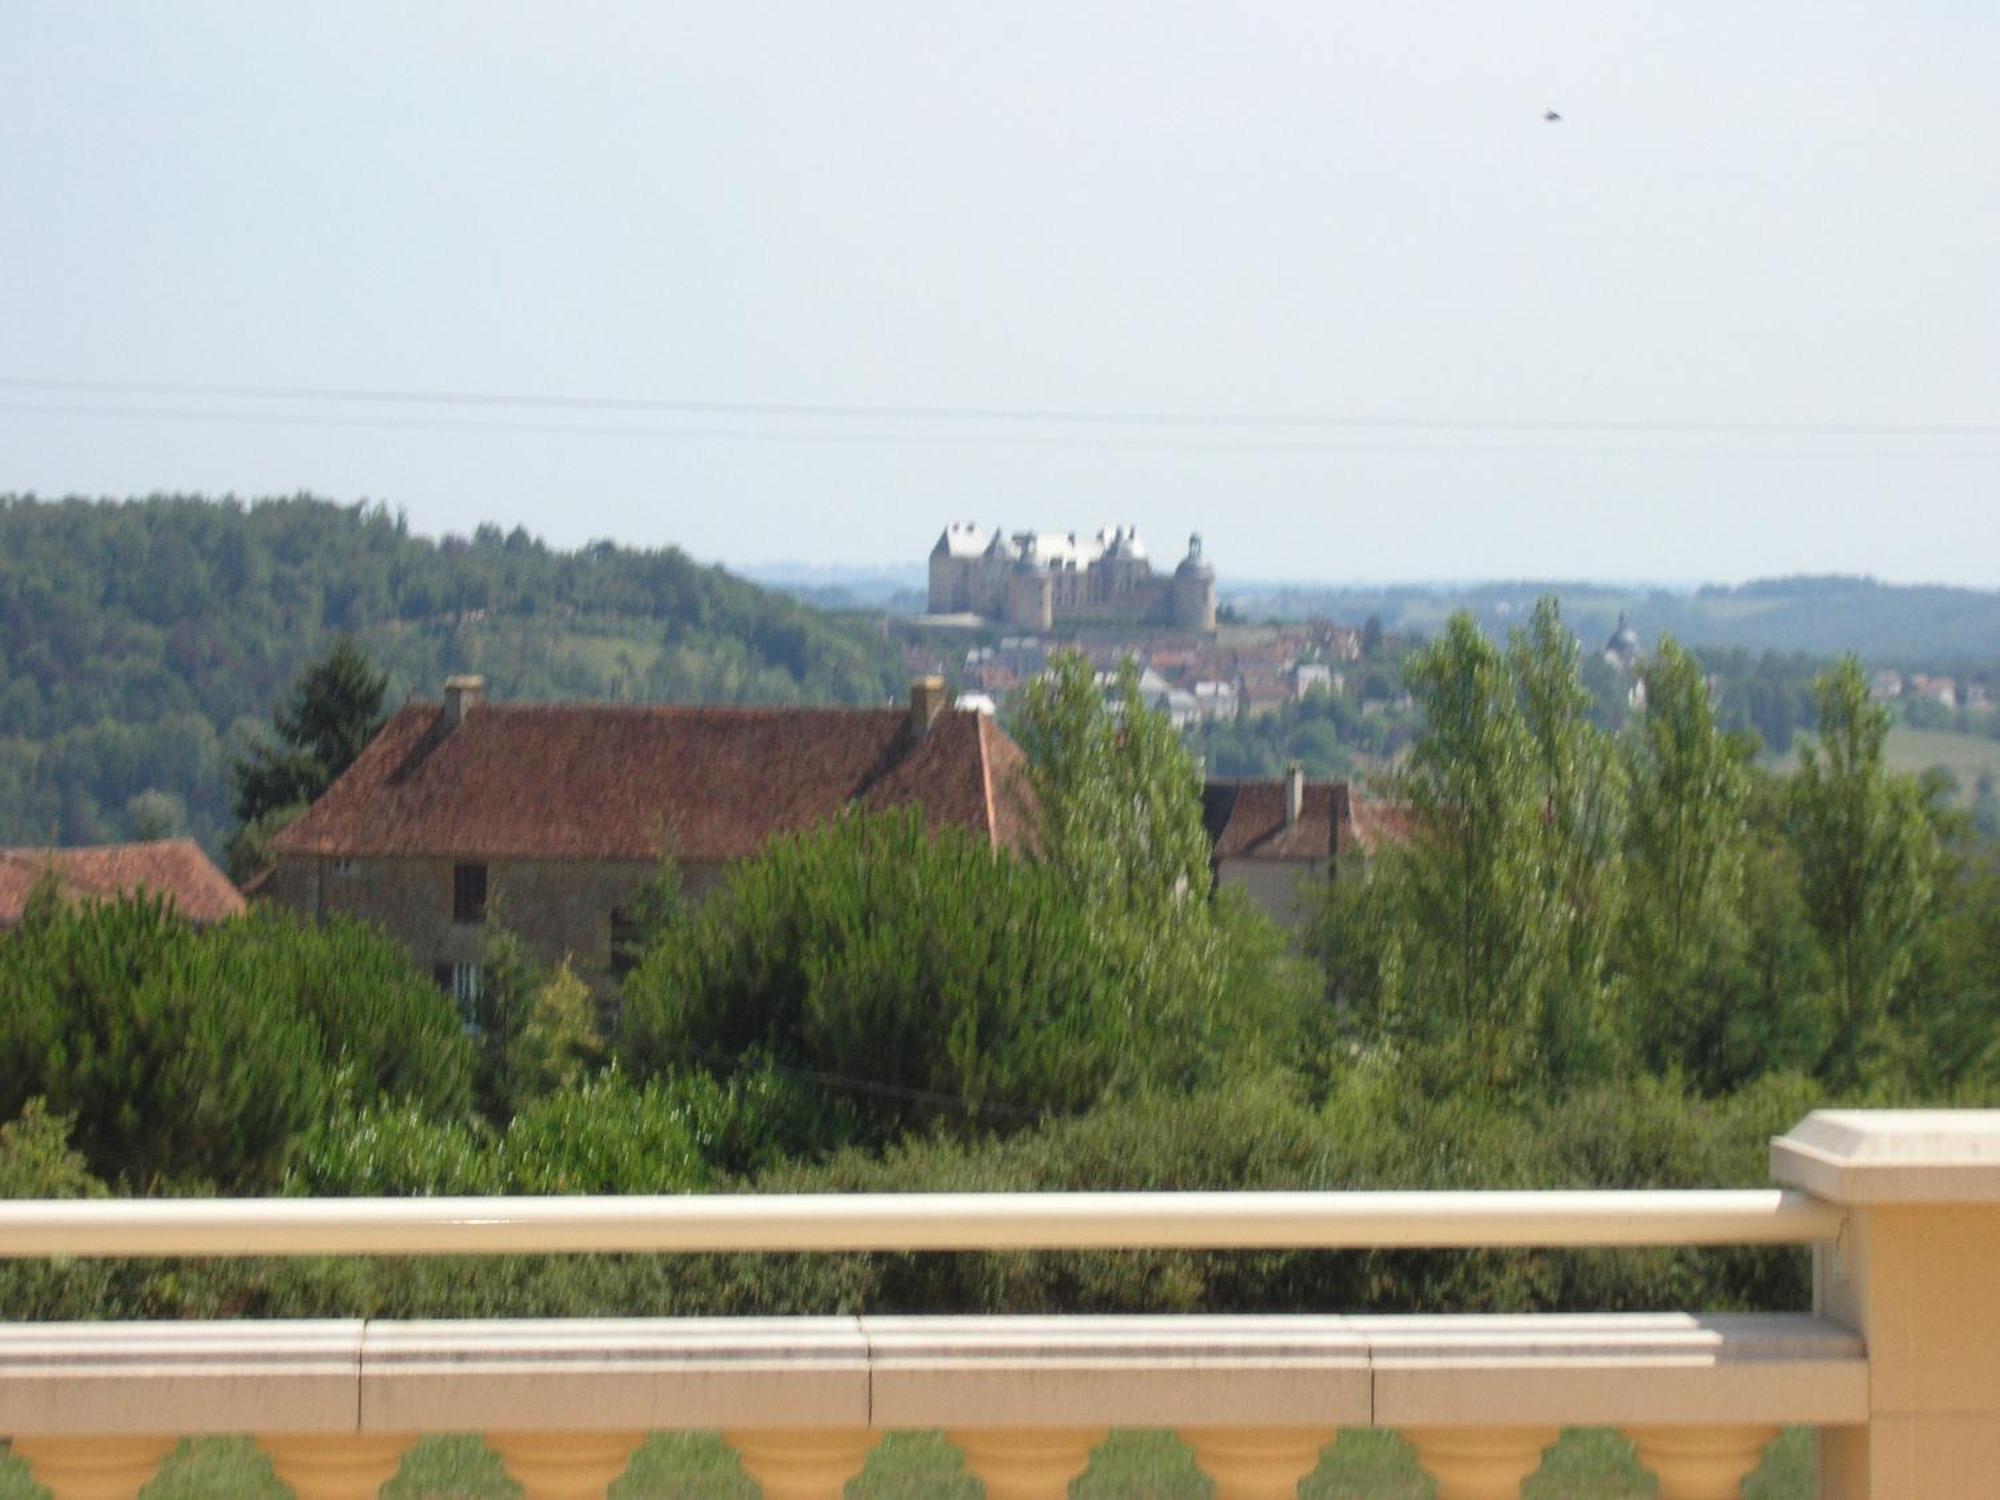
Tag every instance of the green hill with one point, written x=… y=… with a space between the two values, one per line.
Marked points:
x=142 y=643
x=1916 y=626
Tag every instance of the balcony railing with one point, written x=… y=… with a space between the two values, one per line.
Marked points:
x=1897 y=1369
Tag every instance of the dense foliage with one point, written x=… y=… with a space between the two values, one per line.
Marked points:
x=931 y=978
x=1612 y=952
x=142 y=644
x=191 y=1056
x=1575 y=906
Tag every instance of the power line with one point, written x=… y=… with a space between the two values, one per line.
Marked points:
x=998 y=415
x=1012 y=439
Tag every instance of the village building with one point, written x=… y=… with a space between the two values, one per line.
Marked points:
x=1279 y=840
x=1038 y=581
x=550 y=817
x=171 y=870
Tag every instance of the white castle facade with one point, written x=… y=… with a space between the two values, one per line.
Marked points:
x=1036 y=581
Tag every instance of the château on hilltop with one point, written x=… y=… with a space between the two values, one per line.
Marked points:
x=1036 y=581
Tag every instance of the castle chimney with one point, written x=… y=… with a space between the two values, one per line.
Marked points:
x=1295 y=792
x=927 y=701
x=461 y=697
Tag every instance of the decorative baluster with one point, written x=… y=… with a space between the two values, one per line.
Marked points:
x=565 y=1465
x=350 y=1467
x=1480 y=1463
x=1256 y=1463
x=803 y=1463
x=93 y=1468
x=1026 y=1463
x=1701 y=1463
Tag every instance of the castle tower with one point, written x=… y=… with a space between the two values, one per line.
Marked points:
x=1030 y=597
x=1193 y=598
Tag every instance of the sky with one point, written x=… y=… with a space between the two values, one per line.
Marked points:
x=803 y=282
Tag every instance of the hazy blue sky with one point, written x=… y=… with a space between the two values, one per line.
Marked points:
x=1751 y=213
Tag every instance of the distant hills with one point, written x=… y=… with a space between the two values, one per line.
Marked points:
x=1886 y=624
x=1903 y=625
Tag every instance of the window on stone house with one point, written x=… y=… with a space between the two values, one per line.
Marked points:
x=468 y=893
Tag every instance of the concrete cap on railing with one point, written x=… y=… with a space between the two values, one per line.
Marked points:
x=1892 y=1156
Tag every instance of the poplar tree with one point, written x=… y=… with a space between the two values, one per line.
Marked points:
x=1868 y=857
x=1475 y=948
x=1113 y=796
x=1582 y=792
x=1684 y=862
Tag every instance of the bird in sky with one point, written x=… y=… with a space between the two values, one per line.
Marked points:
x=1551 y=116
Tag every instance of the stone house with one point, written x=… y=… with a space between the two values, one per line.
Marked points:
x=553 y=815
x=1278 y=839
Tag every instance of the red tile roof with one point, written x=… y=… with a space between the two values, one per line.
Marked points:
x=173 y=868
x=1246 y=820
x=598 y=781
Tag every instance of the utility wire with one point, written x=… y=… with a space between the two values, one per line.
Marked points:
x=959 y=439
x=1062 y=416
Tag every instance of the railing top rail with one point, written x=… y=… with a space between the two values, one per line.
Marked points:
x=910 y=1221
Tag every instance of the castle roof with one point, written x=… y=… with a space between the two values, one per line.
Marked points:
x=963 y=540
x=612 y=782
x=1194 y=565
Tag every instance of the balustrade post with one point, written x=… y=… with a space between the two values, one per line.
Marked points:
x=803 y=1463
x=93 y=1468
x=1016 y=1463
x=1256 y=1463
x=1701 y=1463
x=335 y=1467
x=565 y=1465
x=1480 y=1463
x=1914 y=1274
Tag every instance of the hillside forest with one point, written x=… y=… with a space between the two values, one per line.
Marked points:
x=143 y=644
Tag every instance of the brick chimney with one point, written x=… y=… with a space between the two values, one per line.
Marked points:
x=927 y=701
x=461 y=697
x=1295 y=792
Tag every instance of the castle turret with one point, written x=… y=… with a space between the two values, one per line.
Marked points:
x=1194 y=590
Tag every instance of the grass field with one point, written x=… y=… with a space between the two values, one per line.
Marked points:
x=1585 y=1465
x=1917 y=750
x=1964 y=755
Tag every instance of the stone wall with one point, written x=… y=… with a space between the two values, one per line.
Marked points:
x=1286 y=889
x=559 y=908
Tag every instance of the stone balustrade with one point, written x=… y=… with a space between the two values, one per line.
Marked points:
x=1898 y=1369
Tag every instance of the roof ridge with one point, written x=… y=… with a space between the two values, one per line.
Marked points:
x=742 y=710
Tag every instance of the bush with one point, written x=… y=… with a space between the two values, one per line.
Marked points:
x=188 y=1056
x=928 y=978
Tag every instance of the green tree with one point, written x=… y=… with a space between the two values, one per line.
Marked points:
x=1112 y=794
x=199 y=1056
x=1474 y=928
x=154 y=814
x=1684 y=864
x=1582 y=784
x=927 y=977
x=1868 y=856
x=557 y=1045
x=334 y=710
